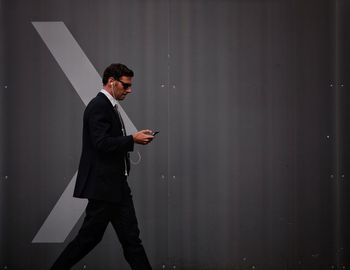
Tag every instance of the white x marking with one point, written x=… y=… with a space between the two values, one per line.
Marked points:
x=86 y=81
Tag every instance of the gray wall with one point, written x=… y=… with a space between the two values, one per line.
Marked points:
x=251 y=101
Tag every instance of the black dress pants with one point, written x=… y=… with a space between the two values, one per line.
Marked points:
x=98 y=215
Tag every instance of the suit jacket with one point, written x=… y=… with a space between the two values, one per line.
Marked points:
x=101 y=173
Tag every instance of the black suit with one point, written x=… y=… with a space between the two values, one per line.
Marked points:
x=102 y=179
x=102 y=165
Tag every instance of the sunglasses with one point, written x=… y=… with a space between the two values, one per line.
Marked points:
x=125 y=85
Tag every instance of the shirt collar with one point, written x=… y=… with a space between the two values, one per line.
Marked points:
x=110 y=97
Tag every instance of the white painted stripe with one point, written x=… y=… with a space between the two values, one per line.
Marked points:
x=62 y=218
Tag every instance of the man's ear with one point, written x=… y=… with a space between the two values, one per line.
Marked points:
x=111 y=81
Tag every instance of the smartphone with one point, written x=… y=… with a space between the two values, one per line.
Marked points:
x=155 y=133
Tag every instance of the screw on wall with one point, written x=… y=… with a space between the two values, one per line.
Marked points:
x=339 y=251
x=5 y=86
x=315 y=256
x=162 y=85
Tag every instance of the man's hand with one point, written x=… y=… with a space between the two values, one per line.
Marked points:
x=143 y=136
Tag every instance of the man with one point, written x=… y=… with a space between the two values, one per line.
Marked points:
x=102 y=176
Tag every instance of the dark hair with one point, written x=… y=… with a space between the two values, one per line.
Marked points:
x=116 y=71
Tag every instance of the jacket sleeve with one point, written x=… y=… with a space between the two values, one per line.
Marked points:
x=99 y=125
